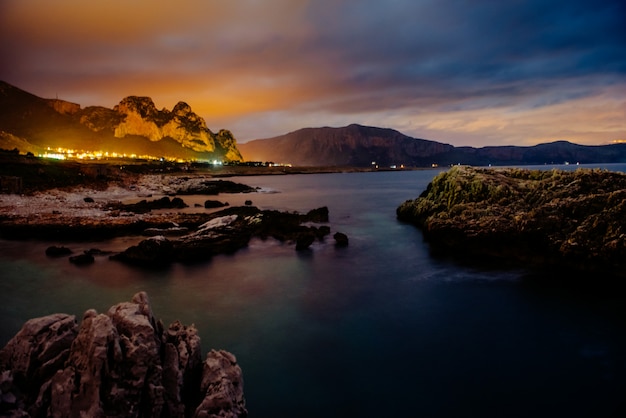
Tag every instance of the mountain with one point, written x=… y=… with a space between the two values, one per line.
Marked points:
x=358 y=145
x=353 y=145
x=134 y=126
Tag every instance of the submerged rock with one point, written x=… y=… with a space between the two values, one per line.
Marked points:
x=570 y=219
x=145 y=206
x=210 y=204
x=82 y=259
x=214 y=187
x=122 y=363
x=341 y=239
x=152 y=252
x=304 y=240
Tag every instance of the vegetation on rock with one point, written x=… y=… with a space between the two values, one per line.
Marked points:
x=544 y=217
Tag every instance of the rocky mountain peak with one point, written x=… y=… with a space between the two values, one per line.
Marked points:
x=142 y=118
x=142 y=105
x=182 y=109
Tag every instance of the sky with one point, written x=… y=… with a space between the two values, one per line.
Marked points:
x=483 y=72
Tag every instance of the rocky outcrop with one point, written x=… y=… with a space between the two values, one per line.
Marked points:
x=569 y=219
x=122 y=363
x=145 y=206
x=227 y=231
x=141 y=117
x=212 y=187
x=63 y=107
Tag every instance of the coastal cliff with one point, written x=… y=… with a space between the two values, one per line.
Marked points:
x=547 y=218
x=122 y=363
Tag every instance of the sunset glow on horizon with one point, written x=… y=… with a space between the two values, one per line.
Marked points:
x=464 y=73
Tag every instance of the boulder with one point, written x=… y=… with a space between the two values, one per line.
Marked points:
x=323 y=231
x=82 y=259
x=122 y=363
x=222 y=387
x=214 y=187
x=341 y=239
x=155 y=251
x=182 y=368
x=145 y=206
x=317 y=215
x=39 y=349
x=304 y=240
x=210 y=204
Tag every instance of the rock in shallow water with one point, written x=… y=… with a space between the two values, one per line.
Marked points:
x=82 y=259
x=56 y=251
x=227 y=231
x=341 y=239
x=574 y=220
x=122 y=363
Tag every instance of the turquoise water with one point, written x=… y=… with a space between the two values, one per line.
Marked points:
x=379 y=328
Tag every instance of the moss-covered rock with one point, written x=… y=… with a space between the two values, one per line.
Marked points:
x=575 y=219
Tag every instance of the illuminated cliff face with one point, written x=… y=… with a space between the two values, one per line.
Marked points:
x=133 y=127
x=142 y=118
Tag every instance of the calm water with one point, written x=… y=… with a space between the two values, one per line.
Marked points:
x=378 y=329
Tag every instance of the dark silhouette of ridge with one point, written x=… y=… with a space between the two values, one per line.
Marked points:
x=357 y=145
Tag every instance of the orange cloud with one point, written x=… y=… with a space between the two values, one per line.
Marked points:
x=262 y=68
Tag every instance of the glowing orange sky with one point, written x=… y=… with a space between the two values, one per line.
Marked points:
x=490 y=74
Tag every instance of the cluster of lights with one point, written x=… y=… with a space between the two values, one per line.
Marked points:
x=70 y=154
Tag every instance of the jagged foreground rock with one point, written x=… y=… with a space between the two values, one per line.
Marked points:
x=119 y=364
x=568 y=219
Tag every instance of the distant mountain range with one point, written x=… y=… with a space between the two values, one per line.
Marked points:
x=357 y=145
x=135 y=126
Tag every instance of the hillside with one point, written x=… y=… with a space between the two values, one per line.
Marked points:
x=361 y=145
x=354 y=145
x=134 y=126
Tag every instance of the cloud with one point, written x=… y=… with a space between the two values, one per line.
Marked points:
x=327 y=62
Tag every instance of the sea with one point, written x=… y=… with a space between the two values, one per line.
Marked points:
x=380 y=328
